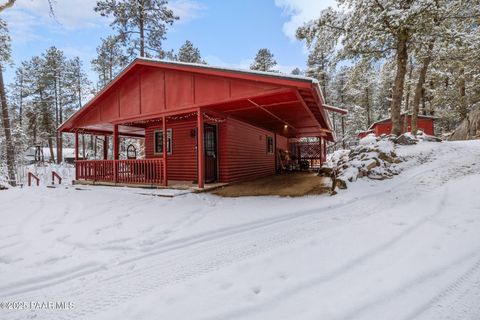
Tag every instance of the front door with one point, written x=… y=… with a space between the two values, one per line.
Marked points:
x=210 y=144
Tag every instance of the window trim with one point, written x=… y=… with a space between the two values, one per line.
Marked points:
x=169 y=137
x=272 y=151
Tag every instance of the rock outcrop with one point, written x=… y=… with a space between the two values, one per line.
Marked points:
x=469 y=129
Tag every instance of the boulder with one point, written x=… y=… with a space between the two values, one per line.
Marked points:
x=325 y=171
x=469 y=128
x=431 y=138
x=372 y=164
x=385 y=157
x=405 y=140
x=340 y=184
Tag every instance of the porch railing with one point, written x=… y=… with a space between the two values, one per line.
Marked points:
x=145 y=171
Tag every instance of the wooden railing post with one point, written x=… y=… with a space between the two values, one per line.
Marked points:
x=56 y=175
x=76 y=155
x=30 y=176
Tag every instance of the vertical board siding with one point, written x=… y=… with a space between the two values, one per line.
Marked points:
x=182 y=163
x=243 y=152
x=424 y=124
x=147 y=91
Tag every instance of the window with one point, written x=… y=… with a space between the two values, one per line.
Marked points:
x=269 y=144
x=158 y=137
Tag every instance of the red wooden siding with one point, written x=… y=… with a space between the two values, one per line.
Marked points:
x=425 y=124
x=182 y=163
x=243 y=152
x=151 y=91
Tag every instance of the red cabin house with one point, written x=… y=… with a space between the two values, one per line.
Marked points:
x=238 y=119
x=424 y=123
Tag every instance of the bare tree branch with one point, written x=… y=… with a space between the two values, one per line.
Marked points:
x=6 y=5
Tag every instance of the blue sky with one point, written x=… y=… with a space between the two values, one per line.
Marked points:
x=228 y=33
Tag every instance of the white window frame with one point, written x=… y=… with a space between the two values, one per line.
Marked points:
x=169 y=141
x=273 y=145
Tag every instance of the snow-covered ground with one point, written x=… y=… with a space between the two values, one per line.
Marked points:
x=405 y=248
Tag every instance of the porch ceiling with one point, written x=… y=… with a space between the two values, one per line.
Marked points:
x=284 y=113
x=107 y=128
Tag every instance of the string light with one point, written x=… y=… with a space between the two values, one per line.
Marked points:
x=174 y=118
x=212 y=119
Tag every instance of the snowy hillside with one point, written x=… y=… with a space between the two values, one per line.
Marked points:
x=403 y=248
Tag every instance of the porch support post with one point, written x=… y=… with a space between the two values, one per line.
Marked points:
x=275 y=151
x=320 y=148
x=76 y=154
x=200 y=150
x=116 y=150
x=105 y=147
x=116 y=145
x=324 y=148
x=165 y=150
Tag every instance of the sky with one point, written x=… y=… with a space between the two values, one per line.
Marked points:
x=228 y=33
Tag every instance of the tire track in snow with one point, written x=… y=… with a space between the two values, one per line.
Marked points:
x=455 y=286
x=202 y=253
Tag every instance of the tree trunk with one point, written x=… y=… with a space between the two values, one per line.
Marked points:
x=402 y=57
x=8 y=132
x=20 y=111
x=419 y=87
x=50 y=147
x=57 y=118
x=367 y=107
x=407 y=99
x=6 y=5
x=462 y=108
x=141 y=23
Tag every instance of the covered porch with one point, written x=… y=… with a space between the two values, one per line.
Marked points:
x=199 y=125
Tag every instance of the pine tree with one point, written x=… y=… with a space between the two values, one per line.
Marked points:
x=52 y=88
x=321 y=56
x=4 y=58
x=141 y=24
x=189 y=53
x=263 y=61
x=375 y=29
x=110 y=59
x=296 y=71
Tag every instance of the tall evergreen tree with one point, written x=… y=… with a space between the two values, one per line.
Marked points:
x=4 y=58
x=110 y=59
x=52 y=87
x=189 y=53
x=296 y=71
x=264 y=61
x=141 y=24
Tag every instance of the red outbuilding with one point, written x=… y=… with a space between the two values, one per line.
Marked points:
x=424 y=123
x=238 y=119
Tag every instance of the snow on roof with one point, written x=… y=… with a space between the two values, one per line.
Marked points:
x=206 y=66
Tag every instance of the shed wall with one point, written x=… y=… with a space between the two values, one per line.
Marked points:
x=386 y=127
